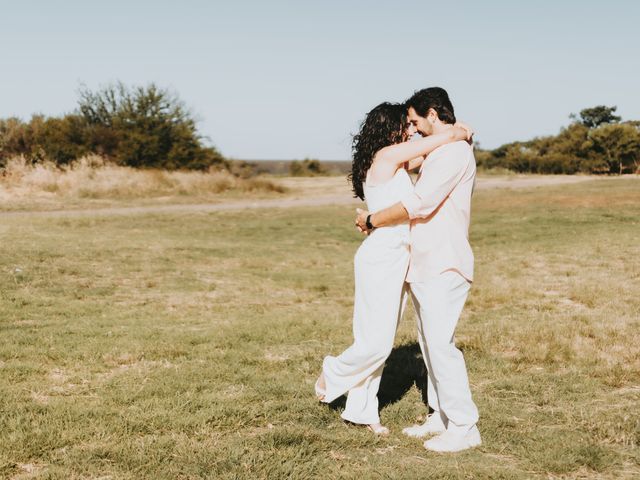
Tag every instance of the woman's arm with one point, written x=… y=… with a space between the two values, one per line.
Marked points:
x=415 y=151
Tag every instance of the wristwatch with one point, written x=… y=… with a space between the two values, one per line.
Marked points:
x=368 y=223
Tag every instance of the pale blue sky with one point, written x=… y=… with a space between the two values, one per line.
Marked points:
x=290 y=79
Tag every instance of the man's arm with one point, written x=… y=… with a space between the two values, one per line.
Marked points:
x=389 y=216
x=439 y=176
x=415 y=163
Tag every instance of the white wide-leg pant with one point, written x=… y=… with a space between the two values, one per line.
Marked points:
x=438 y=303
x=380 y=296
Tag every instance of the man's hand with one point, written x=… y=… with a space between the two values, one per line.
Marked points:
x=467 y=129
x=361 y=221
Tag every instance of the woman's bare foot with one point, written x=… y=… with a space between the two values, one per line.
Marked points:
x=378 y=429
x=321 y=387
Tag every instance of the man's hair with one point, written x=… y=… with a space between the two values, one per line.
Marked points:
x=436 y=98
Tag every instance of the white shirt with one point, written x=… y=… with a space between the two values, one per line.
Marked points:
x=440 y=210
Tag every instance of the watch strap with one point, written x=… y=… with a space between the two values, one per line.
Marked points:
x=368 y=223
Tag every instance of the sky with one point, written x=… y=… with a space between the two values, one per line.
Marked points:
x=294 y=79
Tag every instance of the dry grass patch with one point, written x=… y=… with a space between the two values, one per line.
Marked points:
x=92 y=178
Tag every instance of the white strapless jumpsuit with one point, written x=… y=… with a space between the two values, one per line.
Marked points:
x=380 y=265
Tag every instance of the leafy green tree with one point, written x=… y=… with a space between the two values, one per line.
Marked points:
x=595 y=116
x=619 y=145
x=566 y=152
x=597 y=143
x=139 y=127
x=144 y=127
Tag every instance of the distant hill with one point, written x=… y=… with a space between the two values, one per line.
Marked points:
x=282 y=167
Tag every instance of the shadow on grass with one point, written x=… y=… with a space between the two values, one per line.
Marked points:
x=403 y=369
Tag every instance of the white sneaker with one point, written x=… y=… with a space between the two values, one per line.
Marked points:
x=451 y=441
x=432 y=425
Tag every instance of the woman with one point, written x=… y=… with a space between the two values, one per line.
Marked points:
x=381 y=157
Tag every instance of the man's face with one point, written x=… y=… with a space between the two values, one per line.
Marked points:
x=421 y=124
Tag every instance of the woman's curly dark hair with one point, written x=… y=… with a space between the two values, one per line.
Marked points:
x=383 y=126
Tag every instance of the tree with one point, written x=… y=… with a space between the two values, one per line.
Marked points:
x=619 y=145
x=596 y=116
x=597 y=143
x=138 y=127
x=144 y=127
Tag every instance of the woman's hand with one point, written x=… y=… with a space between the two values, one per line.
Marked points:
x=467 y=130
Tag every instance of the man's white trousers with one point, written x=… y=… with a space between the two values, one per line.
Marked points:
x=438 y=303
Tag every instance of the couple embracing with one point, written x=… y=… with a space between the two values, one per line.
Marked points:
x=417 y=244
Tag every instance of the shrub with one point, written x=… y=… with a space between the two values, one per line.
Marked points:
x=307 y=168
x=595 y=143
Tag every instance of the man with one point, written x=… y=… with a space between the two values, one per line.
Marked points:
x=440 y=270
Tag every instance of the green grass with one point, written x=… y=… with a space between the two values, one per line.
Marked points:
x=186 y=346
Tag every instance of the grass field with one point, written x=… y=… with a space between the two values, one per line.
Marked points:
x=186 y=346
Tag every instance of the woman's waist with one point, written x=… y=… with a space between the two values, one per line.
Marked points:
x=391 y=234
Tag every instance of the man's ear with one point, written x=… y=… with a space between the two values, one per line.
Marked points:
x=432 y=115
